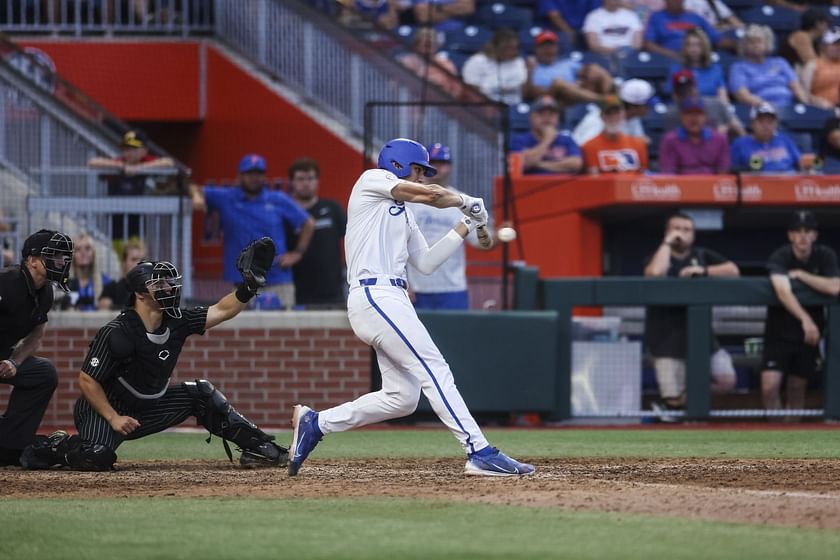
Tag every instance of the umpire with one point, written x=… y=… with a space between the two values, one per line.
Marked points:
x=26 y=297
x=125 y=377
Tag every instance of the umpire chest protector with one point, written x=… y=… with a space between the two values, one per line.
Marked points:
x=144 y=361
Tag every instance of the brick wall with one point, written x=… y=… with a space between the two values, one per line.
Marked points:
x=265 y=363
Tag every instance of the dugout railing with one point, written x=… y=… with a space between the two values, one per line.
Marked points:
x=698 y=296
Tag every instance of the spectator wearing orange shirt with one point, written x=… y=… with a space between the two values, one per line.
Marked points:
x=821 y=76
x=612 y=151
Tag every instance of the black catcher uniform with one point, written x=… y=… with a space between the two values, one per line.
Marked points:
x=133 y=367
x=23 y=312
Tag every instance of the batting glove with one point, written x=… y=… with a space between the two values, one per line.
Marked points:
x=474 y=208
x=470 y=222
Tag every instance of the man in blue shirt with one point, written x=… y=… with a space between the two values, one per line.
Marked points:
x=766 y=150
x=249 y=211
x=567 y=15
x=666 y=28
x=544 y=148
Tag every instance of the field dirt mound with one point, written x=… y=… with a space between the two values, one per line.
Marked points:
x=798 y=493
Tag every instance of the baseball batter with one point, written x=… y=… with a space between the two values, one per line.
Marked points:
x=382 y=235
x=124 y=380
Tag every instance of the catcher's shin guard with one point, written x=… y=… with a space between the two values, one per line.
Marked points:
x=217 y=415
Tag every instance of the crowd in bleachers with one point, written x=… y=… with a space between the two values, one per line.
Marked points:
x=733 y=55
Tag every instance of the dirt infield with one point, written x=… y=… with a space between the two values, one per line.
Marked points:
x=798 y=493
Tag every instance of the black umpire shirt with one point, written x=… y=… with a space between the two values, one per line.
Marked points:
x=780 y=324
x=22 y=307
x=318 y=275
x=665 y=329
x=134 y=366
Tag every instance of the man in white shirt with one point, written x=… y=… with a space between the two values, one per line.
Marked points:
x=445 y=288
x=612 y=28
x=635 y=94
x=382 y=236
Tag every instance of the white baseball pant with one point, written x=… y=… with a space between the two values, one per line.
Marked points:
x=384 y=318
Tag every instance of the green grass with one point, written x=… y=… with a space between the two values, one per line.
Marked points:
x=386 y=528
x=782 y=444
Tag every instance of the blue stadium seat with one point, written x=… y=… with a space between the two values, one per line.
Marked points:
x=502 y=15
x=574 y=113
x=742 y=111
x=590 y=57
x=725 y=59
x=470 y=39
x=654 y=120
x=777 y=18
x=646 y=65
x=406 y=33
x=458 y=58
x=801 y=117
x=520 y=117
x=743 y=5
x=803 y=140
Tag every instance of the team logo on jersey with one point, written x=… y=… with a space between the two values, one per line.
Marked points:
x=163 y=354
x=94 y=361
x=397 y=209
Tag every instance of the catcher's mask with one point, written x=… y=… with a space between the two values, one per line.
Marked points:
x=56 y=250
x=161 y=280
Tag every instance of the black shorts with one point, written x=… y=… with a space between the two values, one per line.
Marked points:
x=791 y=358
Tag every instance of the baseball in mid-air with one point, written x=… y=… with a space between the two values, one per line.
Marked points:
x=506 y=234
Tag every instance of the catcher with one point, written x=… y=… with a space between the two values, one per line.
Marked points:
x=125 y=377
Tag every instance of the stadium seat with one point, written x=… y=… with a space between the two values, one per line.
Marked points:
x=834 y=11
x=777 y=18
x=406 y=33
x=742 y=111
x=804 y=117
x=502 y=15
x=646 y=65
x=804 y=141
x=457 y=58
x=574 y=113
x=519 y=115
x=725 y=59
x=470 y=39
x=743 y=5
x=590 y=57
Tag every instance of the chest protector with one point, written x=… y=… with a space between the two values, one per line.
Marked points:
x=145 y=361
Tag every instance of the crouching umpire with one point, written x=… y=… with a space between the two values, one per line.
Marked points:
x=125 y=377
x=26 y=296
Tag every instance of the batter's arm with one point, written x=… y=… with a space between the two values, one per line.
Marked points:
x=431 y=195
x=95 y=395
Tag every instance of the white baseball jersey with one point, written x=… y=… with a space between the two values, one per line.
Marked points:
x=380 y=230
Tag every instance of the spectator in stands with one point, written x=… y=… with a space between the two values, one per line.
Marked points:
x=443 y=14
x=718 y=115
x=498 y=71
x=362 y=13
x=666 y=29
x=696 y=56
x=801 y=47
x=767 y=150
x=716 y=13
x=86 y=280
x=635 y=94
x=544 y=148
x=612 y=28
x=665 y=327
x=613 y=151
x=446 y=287
x=250 y=211
x=570 y=81
x=830 y=146
x=693 y=148
x=758 y=77
x=431 y=65
x=7 y=255
x=821 y=76
x=792 y=332
x=319 y=275
x=566 y=15
x=115 y=295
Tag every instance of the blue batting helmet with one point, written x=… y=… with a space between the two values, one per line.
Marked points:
x=439 y=152
x=398 y=155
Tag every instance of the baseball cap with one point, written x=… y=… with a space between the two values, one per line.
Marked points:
x=439 y=152
x=134 y=139
x=802 y=219
x=831 y=36
x=762 y=109
x=692 y=104
x=546 y=37
x=635 y=92
x=252 y=162
x=682 y=78
x=545 y=102
x=611 y=102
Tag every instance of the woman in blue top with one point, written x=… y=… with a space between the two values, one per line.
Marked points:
x=86 y=282
x=760 y=78
x=696 y=55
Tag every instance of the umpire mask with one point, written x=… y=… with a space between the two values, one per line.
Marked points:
x=162 y=281
x=56 y=249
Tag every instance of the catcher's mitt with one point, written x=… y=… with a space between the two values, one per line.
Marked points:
x=255 y=261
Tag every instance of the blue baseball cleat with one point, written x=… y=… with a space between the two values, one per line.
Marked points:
x=306 y=436
x=492 y=462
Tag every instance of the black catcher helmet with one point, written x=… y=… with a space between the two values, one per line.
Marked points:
x=56 y=249
x=161 y=280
